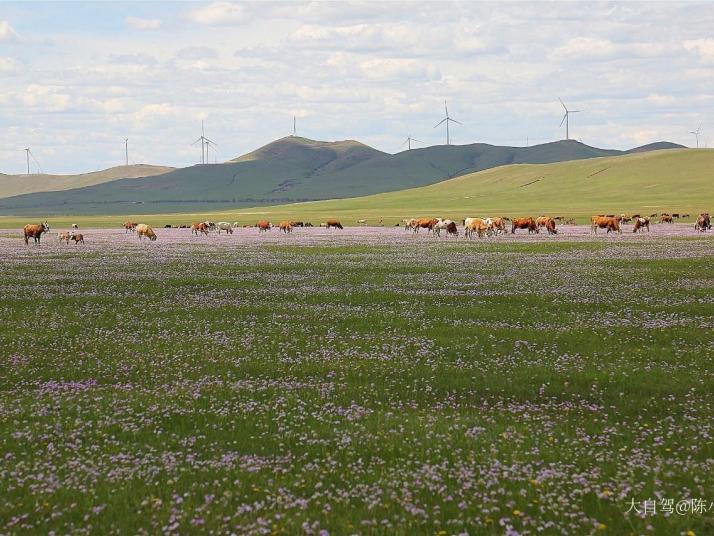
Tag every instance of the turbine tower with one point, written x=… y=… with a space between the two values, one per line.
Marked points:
x=566 y=118
x=126 y=150
x=696 y=133
x=447 y=120
x=205 y=144
x=294 y=126
x=408 y=143
x=29 y=154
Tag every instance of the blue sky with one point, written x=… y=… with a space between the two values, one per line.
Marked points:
x=78 y=77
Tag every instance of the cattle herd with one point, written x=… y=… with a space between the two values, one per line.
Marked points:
x=479 y=227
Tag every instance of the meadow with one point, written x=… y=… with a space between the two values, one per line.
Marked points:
x=368 y=381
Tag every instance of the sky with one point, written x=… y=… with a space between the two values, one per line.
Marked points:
x=76 y=78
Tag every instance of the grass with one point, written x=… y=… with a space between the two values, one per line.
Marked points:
x=675 y=180
x=412 y=387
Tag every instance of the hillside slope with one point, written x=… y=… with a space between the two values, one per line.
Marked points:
x=679 y=180
x=11 y=185
x=289 y=170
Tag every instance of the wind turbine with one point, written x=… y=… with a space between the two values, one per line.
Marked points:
x=447 y=120
x=408 y=142
x=696 y=133
x=29 y=154
x=294 y=126
x=566 y=118
x=126 y=150
x=205 y=144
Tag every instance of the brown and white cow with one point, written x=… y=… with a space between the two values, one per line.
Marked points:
x=199 y=227
x=330 y=224
x=35 y=231
x=264 y=226
x=286 y=226
x=666 y=218
x=144 y=230
x=63 y=237
x=704 y=222
x=475 y=225
x=641 y=224
x=129 y=226
x=524 y=223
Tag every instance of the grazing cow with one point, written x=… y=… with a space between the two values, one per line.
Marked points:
x=35 y=231
x=635 y=216
x=541 y=221
x=443 y=225
x=675 y=215
x=624 y=218
x=144 y=230
x=653 y=215
x=362 y=222
x=475 y=225
x=666 y=218
x=286 y=226
x=75 y=226
x=704 y=222
x=498 y=225
x=524 y=223
x=308 y=224
x=333 y=224
x=167 y=226
x=297 y=224
x=63 y=237
x=129 y=226
x=641 y=224
x=685 y=216
x=550 y=226
x=78 y=238
x=199 y=227
x=264 y=226
x=451 y=229
x=605 y=222
x=211 y=225
x=224 y=226
x=183 y=226
x=410 y=224
x=236 y=225
x=571 y=221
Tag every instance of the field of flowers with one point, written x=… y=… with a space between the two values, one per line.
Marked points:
x=365 y=381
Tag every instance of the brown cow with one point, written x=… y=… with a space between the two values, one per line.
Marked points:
x=498 y=225
x=641 y=224
x=704 y=222
x=475 y=225
x=524 y=223
x=550 y=226
x=144 y=230
x=35 y=231
x=286 y=226
x=425 y=223
x=199 y=227
x=605 y=222
x=451 y=229
x=541 y=221
x=666 y=218
x=63 y=236
x=264 y=226
x=129 y=226
x=79 y=238
x=333 y=223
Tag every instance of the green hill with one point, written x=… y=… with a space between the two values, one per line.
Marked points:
x=290 y=170
x=12 y=185
x=646 y=182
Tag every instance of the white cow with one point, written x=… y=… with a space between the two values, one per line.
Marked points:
x=224 y=226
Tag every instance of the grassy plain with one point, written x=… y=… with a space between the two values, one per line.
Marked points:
x=370 y=382
x=675 y=180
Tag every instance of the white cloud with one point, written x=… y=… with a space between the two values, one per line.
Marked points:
x=218 y=13
x=585 y=48
x=196 y=53
x=138 y=23
x=7 y=64
x=703 y=47
x=7 y=33
x=39 y=97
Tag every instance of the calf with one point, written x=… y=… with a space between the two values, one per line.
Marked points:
x=78 y=238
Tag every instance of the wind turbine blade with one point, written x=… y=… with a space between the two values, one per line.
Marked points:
x=455 y=121
x=418 y=141
x=561 y=102
x=573 y=111
x=197 y=140
x=440 y=122
x=446 y=109
x=563 y=120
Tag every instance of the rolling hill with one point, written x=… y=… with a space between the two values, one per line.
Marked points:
x=12 y=185
x=290 y=170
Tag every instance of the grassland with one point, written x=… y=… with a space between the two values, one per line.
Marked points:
x=365 y=382
x=676 y=180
